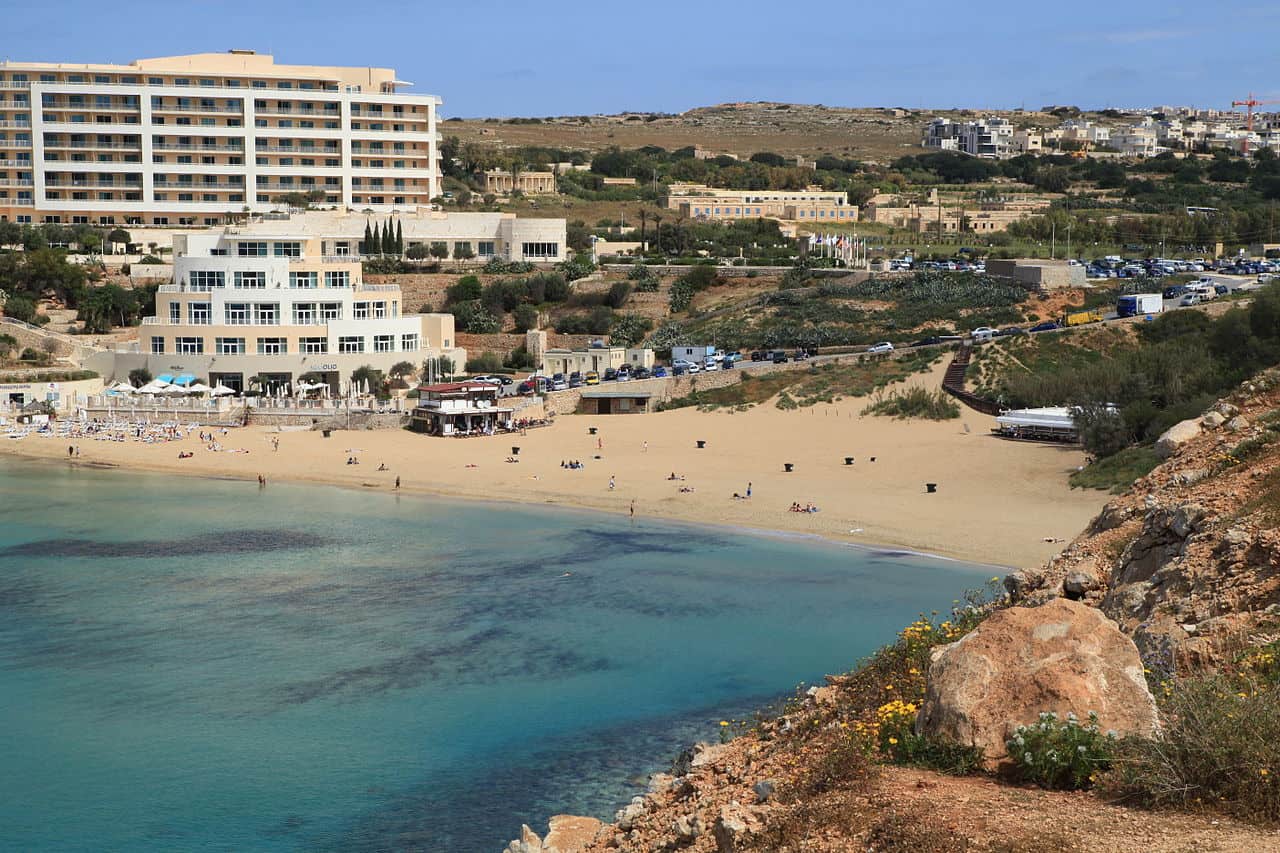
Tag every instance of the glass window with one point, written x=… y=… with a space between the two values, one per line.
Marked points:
x=337 y=278
x=247 y=249
x=157 y=346
x=175 y=312
x=350 y=343
x=266 y=313
x=198 y=313
x=304 y=313
x=409 y=343
x=205 y=279
x=287 y=250
x=485 y=248
x=313 y=346
x=236 y=313
x=330 y=311
x=541 y=250
x=229 y=346
x=384 y=343
x=303 y=279
x=273 y=346
x=250 y=278
x=360 y=311
x=188 y=346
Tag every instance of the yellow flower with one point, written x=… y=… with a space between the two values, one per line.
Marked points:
x=1263 y=772
x=888 y=687
x=724 y=722
x=894 y=741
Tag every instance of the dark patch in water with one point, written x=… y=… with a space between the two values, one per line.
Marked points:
x=204 y=544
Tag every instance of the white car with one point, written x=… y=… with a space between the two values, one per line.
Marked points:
x=983 y=333
x=883 y=346
x=491 y=380
x=710 y=364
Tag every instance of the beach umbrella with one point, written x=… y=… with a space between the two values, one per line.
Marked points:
x=221 y=390
x=172 y=391
x=198 y=388
x=122 y=388
x=155 y=386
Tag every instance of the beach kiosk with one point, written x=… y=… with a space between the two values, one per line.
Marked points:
x=460 y=409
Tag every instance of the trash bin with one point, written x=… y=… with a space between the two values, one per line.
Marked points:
x=931 y=487
x=848 y=460
x=325 y=432
x=701 y=443
x=591 y=430
x=515 y=451
x=787 y=466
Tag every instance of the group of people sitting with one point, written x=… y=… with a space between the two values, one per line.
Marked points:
x=675 y=476
x=353 y=460
x=795 y=507
x=186 y=454
x=573 y=464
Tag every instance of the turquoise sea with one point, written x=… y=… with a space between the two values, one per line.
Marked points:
x=201 y=665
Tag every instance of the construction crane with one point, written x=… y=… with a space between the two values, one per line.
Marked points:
x=1249 y=104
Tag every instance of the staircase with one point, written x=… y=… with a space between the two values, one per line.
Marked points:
x=953 y=383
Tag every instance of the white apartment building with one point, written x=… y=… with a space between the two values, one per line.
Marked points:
x=276 y=307
x=188 y=140
x=990 y=137
x=1139 y=140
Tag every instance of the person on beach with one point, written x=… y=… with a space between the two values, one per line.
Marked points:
x=611 y=482
x=600 y=443
x=633 y=509
x=645 y=448
x=748 y=490
x=397 y=483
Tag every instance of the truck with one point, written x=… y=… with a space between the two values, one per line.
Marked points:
x=1079 y=318
x=1139 y=303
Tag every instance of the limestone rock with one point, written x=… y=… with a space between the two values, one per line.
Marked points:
x=1213 y=420
x=528 y=842
x=1063 y=656
x=1190 y=476
x=1237 y=423
x=1077 y=584
x=705 y=754
x=1112 y=516
x=1164 y=535
x=1176 y=436
x=687 y=828
x=570 y=833
x=763 y=790
x=733 y=827
x=1226 y=410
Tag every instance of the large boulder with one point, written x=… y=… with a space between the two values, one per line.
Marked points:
x=1063 y=656
x=1176 y=436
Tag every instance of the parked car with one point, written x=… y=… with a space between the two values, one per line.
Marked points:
x=1221 y=289
x=1012 y=330
x=757 y=355
x=1190 y=299
x=559 y=382
x=710 y=364
x=610 y=374
x=592 y=378
x=1174 y=291
x=659 y=372
x=779 y=357
x=882 y=347
x=576 y=380
x=487 y=379
x=801 y=355
x=983 y=333
x=641 y=373
x=932 y=340
x=680 y=369
x=1046 y=326
x=731 y=357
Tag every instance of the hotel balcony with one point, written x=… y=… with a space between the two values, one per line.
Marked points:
x=100 y=146
x=15 y=123
x=16 y=182
x=195 y=108
x=185 y=146
x=174 y=185
x=333 y=112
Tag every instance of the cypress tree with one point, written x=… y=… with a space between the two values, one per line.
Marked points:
x=388 y=239
x=399 y=237
x=377 y=241
x=367 y=246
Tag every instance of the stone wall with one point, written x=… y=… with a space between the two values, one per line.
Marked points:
x=320 y=420
x=502 y=343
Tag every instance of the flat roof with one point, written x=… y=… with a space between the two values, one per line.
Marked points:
x=607 y=393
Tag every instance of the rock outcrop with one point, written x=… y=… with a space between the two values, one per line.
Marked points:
x=1176 y=436
x=1063 y=656
x=565 y=834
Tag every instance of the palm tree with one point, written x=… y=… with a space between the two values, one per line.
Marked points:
x=644 y=216
x=657 y=230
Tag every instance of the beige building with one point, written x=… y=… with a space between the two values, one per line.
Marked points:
x=812 y=206
x=278 y=306
x=980 y=218
x=500 y=182
x=191 y=140
x=599 y=359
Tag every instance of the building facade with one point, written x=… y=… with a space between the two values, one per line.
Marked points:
x=277 y=307
x=992 y=138
x=808 y=205
x=501 y=182
x=188 y=140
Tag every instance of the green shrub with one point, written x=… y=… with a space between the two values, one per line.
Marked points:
x=915 y=402
x=467 y=288
x=629 y=329
x=472 y=317
x=525 y=317
x=1116 y=472
x=486 y=362
x=1219 y=746
x=1067 y=754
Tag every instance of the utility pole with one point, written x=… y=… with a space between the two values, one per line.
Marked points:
x=1068 y=239
x=1053 y=240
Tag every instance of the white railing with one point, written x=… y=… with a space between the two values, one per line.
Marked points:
x=105 y=146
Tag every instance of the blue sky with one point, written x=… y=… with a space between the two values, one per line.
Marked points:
x=502 y=58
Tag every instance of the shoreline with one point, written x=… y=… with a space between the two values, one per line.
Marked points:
x=875 y=548
x=999 y=504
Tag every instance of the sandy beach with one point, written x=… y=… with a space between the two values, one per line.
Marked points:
x=999 y=502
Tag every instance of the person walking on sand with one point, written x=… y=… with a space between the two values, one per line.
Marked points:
x=748 y=489
x=397 y=483
x=645 y=448
x=600 y=443
x=611 y=482
x=633 y=509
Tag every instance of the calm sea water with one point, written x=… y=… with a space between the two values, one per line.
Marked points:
x=200 y=665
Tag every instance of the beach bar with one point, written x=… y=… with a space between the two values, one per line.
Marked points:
x=614 y=401
x=460 y=409
x=1052 y=423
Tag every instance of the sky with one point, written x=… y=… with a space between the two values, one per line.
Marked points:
x=503 y=58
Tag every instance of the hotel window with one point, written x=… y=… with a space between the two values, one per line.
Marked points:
x=273 y=346
x=188 y=346
x=303 y=279
x=251 y=249
x=304 y=313
x=266 y=313
x=485 y=248
x=175 y=312
x=360 y=311
x=409 y=343
x=379 y=310
x=229 y=346
x=236 y=313
x=157 y=346
x=314 y=346
x=250 y=279
x=334 y=278
x=198 y=313
x=351 y=344
x=342 y=249
x=384 y=343
x=541 y=250
x=330 y=311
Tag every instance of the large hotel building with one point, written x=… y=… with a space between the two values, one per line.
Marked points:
x=187 y=140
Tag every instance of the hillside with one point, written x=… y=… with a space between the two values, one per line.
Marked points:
x=1187 y=563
